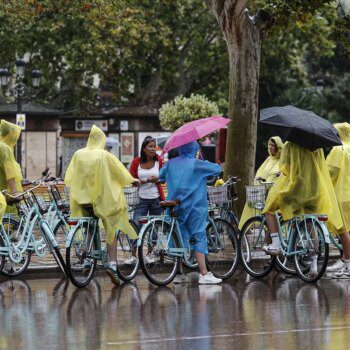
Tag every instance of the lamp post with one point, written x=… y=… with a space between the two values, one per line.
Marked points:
x=19 y=90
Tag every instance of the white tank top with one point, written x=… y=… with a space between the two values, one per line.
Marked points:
x=150 y=190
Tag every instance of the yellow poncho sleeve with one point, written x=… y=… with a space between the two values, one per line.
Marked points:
x=97 y=177
x=9 y=134
x=305 y=186
x=267 y=171
x=3 y=206
x=9 y=168
x=338 y=162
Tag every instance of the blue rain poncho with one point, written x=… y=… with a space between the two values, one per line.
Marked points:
x=186 y=179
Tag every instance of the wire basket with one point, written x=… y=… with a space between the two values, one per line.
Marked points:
x=132 y=196
x=23 y=207
x=256 y=196
x=66 y=193
x=38 y=201
x=219 y=195
x=61 y=202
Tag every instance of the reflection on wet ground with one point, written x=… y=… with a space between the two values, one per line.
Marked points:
x=278 y=312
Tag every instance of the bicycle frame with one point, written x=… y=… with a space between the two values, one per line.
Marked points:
x=181 y=252
x=54 y=215
x=87 y=224
x=291 y=226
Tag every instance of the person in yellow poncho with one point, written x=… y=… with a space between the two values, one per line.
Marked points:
x=97 y=177
x=10 y=170
x=304 y=187
x=267 y=172
x=338 y=162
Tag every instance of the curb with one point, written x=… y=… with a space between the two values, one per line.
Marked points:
x=53 y=271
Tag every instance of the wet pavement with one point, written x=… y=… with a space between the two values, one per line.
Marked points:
x=278 y=312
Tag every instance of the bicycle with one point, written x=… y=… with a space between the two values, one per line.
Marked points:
x=223 y=198
x=22 y=242
x=302 y=239
x=84 y=248
x=163 y=234
x=58 y=211
x=256 y=196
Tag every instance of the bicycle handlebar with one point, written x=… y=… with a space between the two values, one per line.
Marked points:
x=37 y=183
x=231 y=179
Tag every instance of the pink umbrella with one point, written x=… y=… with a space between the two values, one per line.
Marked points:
x=195 y=130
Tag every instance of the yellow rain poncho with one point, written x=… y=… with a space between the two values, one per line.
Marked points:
x=97 y=177
x=3 y=206
x=338 y=162
x=9 y=168
x=267 y=171
x=304 y=187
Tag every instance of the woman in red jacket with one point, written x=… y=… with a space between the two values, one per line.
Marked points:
x=146 y=169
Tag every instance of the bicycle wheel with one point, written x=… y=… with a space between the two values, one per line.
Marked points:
x=191 y=262
x=159 y=266
x=310 y=244
x=60 y=231
x=283 y=262
x=222 y=258
x=232 y=218
x=80 y=263
x=2 y=257
x=125 y=245
x=255 y=261
x=9 y=267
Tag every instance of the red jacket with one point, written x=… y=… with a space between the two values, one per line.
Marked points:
x=134 y=173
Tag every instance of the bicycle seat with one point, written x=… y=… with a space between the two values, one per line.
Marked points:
x=90 y=208
x=169 y=204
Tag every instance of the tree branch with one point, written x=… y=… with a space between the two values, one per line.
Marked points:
x=229 y=13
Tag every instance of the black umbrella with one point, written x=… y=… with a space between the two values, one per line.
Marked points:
x=302 y=127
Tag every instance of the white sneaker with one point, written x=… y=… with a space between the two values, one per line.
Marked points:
x=209 y=278
x=344 y=273
x=150 y=259
x=131 y=261
x=271 y=250
x=182 y=278
x=337 y=266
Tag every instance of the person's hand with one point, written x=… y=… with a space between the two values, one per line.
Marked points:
x=260 y=179
x=153 y=179
x=136 y=183
x=11 y=200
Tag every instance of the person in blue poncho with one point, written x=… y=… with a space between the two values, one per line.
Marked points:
x=186 y=179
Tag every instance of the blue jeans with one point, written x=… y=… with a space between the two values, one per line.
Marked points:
x=147 y=207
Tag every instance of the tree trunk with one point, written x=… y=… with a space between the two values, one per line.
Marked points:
x=244 y=36
x=244 y=58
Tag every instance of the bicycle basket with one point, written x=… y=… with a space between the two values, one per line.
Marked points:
x=256 y=196
x=66 y=193
x=56 y=194
x=23 y=207
x=131 y=195
x=39 y=202
x=218 y=195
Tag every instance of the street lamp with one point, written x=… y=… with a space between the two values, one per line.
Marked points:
x=19 y=90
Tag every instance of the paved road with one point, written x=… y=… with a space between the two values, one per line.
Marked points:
x=275 y=313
